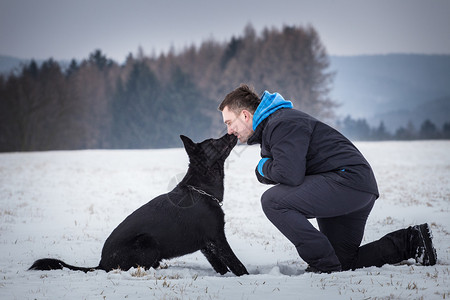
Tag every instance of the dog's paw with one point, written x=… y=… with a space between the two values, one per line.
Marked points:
x=240 y=270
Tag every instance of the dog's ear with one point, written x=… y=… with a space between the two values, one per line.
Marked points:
x=189 y=145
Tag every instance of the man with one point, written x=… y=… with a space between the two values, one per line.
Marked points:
x=317 y=173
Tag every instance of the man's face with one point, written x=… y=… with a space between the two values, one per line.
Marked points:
x=240 y=125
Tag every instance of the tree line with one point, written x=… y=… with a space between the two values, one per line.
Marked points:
x=149 y=100
x=359 y=129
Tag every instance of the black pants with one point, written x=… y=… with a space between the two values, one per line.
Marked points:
x=341 y=214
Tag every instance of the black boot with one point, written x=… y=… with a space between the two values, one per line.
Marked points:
x=421 y=245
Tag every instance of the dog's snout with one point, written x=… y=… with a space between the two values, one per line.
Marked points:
x=233 y=140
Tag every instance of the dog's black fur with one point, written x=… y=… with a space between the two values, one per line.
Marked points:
x=187 y=219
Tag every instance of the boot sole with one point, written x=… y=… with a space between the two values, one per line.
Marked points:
x=429 y=255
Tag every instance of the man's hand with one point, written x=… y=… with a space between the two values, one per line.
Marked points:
x=259 y=172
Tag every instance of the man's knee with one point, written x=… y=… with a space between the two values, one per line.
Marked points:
x=269 y=201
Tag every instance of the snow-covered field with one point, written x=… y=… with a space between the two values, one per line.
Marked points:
x=65 y=204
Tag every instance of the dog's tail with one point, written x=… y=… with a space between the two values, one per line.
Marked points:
x=47 y=264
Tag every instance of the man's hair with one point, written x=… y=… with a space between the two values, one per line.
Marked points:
x=244 y=97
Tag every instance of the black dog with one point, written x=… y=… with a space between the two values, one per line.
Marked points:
x=187 y=219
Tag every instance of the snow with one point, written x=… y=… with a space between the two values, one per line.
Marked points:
x=65 y=204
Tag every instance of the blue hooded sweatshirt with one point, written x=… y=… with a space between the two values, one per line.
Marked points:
x=269 y=104
x=295 y=144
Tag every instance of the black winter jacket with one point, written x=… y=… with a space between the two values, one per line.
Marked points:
x=298 y=145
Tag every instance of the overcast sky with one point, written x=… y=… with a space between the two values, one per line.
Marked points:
x=66 y=29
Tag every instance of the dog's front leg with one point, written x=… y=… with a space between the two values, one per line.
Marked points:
x=227 y=256
x=211 y=255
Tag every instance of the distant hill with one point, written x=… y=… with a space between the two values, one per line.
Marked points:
x=9 y=63
x=437 y=111
x=393 y=88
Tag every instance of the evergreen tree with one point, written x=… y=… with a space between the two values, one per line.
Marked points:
x=355 y=129
x=446 y=130
x=32 y=69
x=231 y=51
x=136 y=108
x=73 y=68
x=186 y=110
x=100 y=60
x=428 y=130
x=408 y=133
x=381 y=133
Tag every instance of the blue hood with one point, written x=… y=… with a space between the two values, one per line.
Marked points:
x=269 y=104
